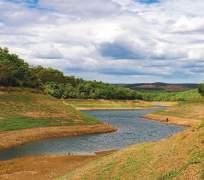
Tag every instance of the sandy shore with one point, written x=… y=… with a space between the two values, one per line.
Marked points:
x=13 y=138
x=173 y=120
x=43 y=167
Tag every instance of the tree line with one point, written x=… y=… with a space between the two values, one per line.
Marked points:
x=15 y=72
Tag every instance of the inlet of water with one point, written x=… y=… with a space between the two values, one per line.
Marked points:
x=132 y=129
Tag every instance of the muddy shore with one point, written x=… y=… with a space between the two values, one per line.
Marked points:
x=14 y=138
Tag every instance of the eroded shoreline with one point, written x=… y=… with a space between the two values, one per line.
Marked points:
x=44 y=167
x=173 y=120
x=14 y=138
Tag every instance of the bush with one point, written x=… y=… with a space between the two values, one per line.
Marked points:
x=201 y=89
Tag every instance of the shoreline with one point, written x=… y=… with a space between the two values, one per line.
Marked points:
x=150 y=105
x=11 y=139
x=112 y=108
x=173 y=120
x=14 y=138
x=53 y=166
x=45 y=167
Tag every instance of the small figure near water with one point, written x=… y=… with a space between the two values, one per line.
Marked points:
x=167 y=119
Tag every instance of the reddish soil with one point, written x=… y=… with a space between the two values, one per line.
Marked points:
x=42 y=167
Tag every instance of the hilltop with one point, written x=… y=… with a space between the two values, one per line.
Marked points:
x=159 y=86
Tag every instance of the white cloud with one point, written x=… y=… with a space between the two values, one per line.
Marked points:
x=165 y=38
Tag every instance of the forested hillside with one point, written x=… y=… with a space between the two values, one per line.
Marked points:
x=15 y=72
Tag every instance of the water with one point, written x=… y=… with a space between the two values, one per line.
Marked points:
x=132 y=129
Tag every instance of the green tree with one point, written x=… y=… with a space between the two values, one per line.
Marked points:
x=14 y=71
x=69 y=91
x=201 y=89
x=48 y=74
x=54 y=89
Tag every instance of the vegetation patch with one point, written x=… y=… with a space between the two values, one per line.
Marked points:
x=187 y=95
x=24 y=109
x=15 y=72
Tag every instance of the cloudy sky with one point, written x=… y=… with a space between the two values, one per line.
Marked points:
x=120 y=41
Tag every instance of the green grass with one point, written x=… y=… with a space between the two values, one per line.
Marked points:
x=24 y=109
x=188 y=95
x=16 y=123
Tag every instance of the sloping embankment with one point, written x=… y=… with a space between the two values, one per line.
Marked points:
x=13 y=138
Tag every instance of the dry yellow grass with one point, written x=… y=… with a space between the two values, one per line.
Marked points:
x=41 y=167
x=178 y=157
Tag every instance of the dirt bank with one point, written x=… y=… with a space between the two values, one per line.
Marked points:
x=43 y=167
x=13 y=138
x=173 y=120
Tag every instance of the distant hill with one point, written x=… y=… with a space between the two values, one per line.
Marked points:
x=161 y=86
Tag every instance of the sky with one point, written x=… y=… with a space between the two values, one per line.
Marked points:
x=116 y=41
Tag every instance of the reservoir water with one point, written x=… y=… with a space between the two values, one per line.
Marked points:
x=132 y=129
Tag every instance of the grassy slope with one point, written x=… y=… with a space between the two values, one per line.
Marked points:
x=23 y=109
x=189 y=95
x=194 y=110
x=179 y=157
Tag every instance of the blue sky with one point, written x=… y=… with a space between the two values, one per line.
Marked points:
x=24 y=1
x=119 y=41
x=28 y=3
x=149 y=1
x=34 y=2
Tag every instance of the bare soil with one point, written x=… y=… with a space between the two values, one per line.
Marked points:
x=42 y=167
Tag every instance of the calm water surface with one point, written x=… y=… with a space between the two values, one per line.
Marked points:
x=132 y=129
